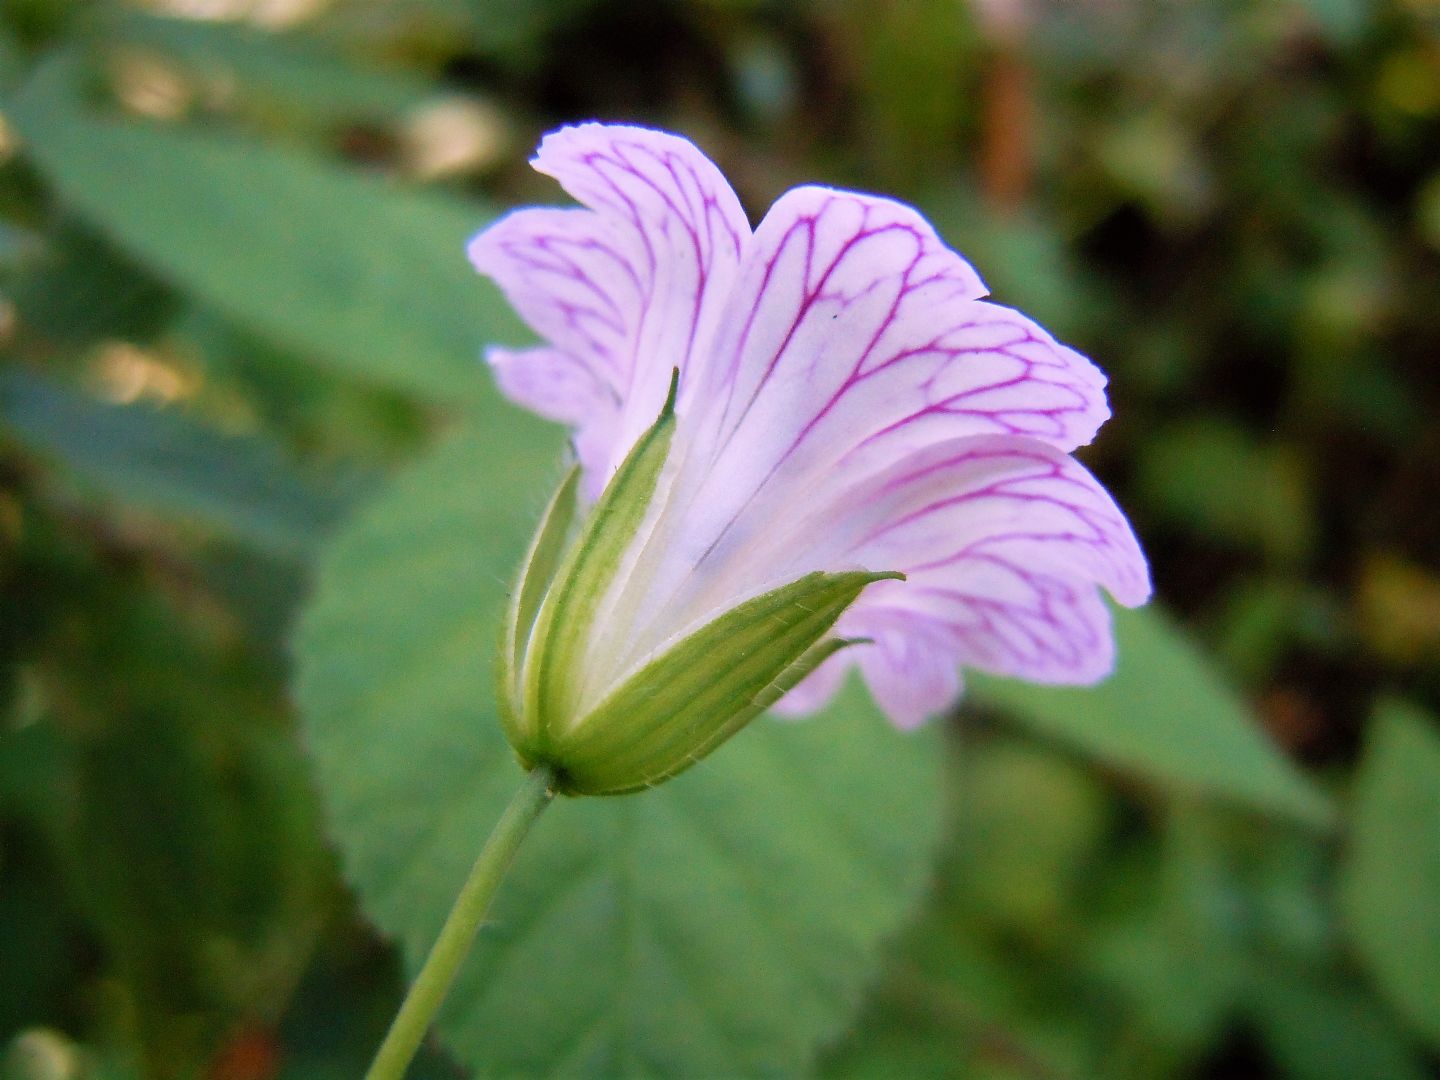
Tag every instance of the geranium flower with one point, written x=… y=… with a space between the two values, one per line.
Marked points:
x=847 y=400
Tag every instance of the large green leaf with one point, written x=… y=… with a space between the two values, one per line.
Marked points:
x=72 y=288
x=339 y=266
x=1390 y=877
x=162 y=460
x=1317 y=1027
x=723 y=924
x=290 y=72
x=180 y=818
x=1167 y=713
x=985 y=983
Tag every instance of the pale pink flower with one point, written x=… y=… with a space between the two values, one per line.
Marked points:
x=847 y=400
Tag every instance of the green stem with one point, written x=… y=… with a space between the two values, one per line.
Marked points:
x=458 y=933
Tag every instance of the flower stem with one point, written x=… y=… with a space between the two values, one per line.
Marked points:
x=458 y=933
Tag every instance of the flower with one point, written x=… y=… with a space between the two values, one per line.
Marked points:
x=847 y=401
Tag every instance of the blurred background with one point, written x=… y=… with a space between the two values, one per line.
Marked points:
x=1232 y=205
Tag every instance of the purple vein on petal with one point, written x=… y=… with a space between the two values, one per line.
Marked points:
x=848 y=398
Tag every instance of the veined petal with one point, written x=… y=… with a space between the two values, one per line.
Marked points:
x=854 y=338
x=855 y=334
x=995 y=499
x=657 y=182
x=688 y=233
x=997 y=370
x=629 y=288
x=908 y=663
x=816 y=690
x=1005 y=543
x=560 y=387
x=571 y=275
x=910 y=666
x=848 y=401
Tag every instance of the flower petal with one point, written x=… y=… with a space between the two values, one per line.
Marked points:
x=910 y=666
x=848 y=400
x=658 y=183
x=816 y=689
x=570 y=274
x=908 y=662
x=557 y=386
x=850 y=307
x=631 y=287
x=1004 y=542
x=854 y=338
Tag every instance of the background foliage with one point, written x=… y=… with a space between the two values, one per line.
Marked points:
x=240 y=379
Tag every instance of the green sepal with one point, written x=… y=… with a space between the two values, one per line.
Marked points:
x=564 y=624
x=791 y=677
x=542 y=561
x=686 y=702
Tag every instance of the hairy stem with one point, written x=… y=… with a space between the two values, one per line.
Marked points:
x=458 y=933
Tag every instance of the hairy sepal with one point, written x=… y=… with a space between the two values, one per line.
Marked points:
x=538 y=571
x=688 y=701
x=565 y=622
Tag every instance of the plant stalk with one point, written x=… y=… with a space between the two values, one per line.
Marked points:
x=458 y=934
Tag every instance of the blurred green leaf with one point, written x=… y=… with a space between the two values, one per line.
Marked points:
x=723 y=924
x=190 y=838
x=161 y=460
x=512 y=30
x=38 y=949
x=1390 y=873
x=1427 y=211
x=292 y=72
x=1342 y=22
x=1023 y=257
x=1151 y=156
x=198 y=862
x=342 y=1009
x=1318 y=1028
x=1186 y=975
x=283 y=392
x=75 y=288
x=339 y=266
x=984 y=983
x=1029 y=822
x=1168 y=714
x=1285 y=873
x=956 y=1009
x=1397 y=605
x=1264 y=616
x=1131 y=963
x=12 y=58
x=1214 y=478
x=512 y=33
x=909 y=122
